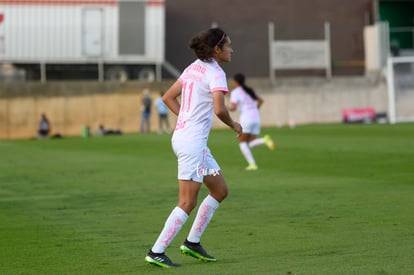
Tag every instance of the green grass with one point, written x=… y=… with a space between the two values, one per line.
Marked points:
x=331 y=199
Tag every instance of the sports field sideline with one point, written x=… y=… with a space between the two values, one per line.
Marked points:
x=331 y=199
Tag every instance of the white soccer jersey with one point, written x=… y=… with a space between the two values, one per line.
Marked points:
x=246 y=105
x=199 y=81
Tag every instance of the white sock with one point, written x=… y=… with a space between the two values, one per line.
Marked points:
x=171 y=228
x=244 y=148
x=256 y=142
x=204 y=214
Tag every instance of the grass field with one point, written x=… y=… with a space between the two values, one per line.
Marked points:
x=331 y=199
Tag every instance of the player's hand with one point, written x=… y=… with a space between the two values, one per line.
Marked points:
x=237 y=128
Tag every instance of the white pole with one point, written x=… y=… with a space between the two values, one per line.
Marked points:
x=158 y=72
x=391 y=91
x=328 y=50
x=271 y=32
x=100 y=71
x=386 y=42
x=42 y=72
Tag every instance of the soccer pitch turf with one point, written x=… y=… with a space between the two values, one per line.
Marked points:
x=331 y=199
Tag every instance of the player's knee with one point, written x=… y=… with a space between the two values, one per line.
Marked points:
x=187 y=205
x=224 y=194
x=221 y=194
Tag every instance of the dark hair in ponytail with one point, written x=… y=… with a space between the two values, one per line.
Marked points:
x=204 y=42
x=240 y=78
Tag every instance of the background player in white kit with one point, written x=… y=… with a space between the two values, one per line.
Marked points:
x=202 y=87
x=244 y=99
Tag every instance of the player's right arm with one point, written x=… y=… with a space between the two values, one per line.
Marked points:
x=259 y=101
x=222 y=113
x=170 y=97
x=232 y=107
x=233 y=101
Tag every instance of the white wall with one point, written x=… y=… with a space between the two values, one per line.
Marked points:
x=72 y=105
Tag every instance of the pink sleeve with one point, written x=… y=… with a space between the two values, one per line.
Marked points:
x=220 y=89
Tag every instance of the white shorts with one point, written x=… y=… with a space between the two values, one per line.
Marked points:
x=250 y=127
x=194 y=161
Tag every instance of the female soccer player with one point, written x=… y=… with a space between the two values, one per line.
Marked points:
x=248 y=103
x=202 y=87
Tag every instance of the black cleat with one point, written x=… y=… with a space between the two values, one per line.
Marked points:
x=197 y=251
x=159 y=259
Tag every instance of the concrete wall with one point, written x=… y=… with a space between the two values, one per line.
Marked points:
x=69 y=106
x=309 y=100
